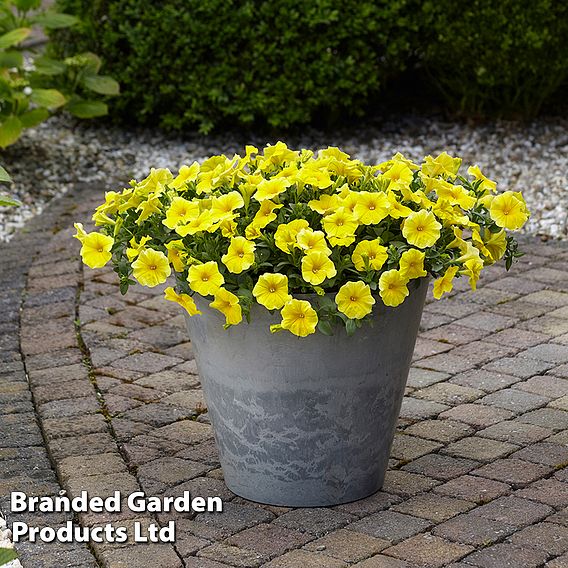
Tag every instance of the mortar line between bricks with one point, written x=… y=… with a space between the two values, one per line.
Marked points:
x=101 y=401
x=23 y=297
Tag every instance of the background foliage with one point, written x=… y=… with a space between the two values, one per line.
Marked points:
x=207 y=63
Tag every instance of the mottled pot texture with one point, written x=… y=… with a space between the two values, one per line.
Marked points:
x=305 y=422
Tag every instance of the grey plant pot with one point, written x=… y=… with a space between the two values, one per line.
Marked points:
x=305 y=422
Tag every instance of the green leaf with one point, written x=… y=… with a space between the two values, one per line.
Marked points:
x=4 y=175
x=325 y=327
x=34 y=117
x=6 y=555
x=87 y=109
x=27 y=5
x=14 y=37
x=48 y=66
x=351 y=326
x=7 y=201
x=48 y=98
x=55 y=20
x=102 y=84
x=92 y=62
x=9 y=59
x=10 y=131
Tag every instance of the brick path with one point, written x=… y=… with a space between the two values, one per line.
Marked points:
x=477 y=472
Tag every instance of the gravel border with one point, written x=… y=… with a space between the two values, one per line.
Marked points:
x=532 y=157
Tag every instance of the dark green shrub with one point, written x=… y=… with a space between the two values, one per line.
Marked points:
x=280 y=62
x=496 y=56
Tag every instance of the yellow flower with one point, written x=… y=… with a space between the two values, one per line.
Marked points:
x=443 y=165
x=136 y=247
x=205 y=278
x=340 y=224
x=455 y=194
x=252 y=232
x=496 y=244
x=81 y=233
x=265 y=214
x=271 y=291
x=316 y=267
x=184 y=300
x=151 y=268
x=421 y=229
x=240 y=255
x=148 y=207
x=186 y=175
x=412 y=264
x=315 y=174
x=376 y=254
x=508 y=211
x=269 y=189
x=371 y=208
x=176 y=255
x=275 y=156
x=397 y=210
x=201 y=223
x=299 y=318
x=324 y=204
x=180 y=211
x=354 y=299
x=223 y=207
x=285 y=236
x=445 y=284
x=228 y=228
x=95 y=251
x=486 y=183
x=392 y=286
x=310 y=241
x=399 y=174
x=228 y=304
x=473 y=268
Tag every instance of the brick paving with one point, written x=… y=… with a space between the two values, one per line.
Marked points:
x=100 y=391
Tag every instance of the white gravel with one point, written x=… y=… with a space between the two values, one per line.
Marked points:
x=6 y=542
x=532 y=158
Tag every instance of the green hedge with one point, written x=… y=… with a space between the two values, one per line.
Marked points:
x=210 y=62
x=503 y=57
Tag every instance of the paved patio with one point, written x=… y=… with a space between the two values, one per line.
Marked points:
x=99 y=391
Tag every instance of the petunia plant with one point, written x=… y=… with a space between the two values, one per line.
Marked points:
x=321 y=238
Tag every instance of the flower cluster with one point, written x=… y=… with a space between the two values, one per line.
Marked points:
x=265 y=227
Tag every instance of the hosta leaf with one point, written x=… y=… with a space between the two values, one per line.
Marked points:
x=87 y=109
x=14 y=37
x=48 y=66
x=55 y=20
x=48 y=98
x=9 y=59
x=102 y=84
x=10 y=131
x=4 y=175
x=34 y=117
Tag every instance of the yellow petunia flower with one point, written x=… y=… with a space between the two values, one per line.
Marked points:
x=399 y=174
x=340 y=224
x=205 y=279
x=285 y=235
x=184 y=300
x=371 y=208
x=228 y=304
x=397 y=210
x=180 y=211
x=454 y=194
x=271 y=291
x=421 y=229
x=354 y=299
x=316 y=267
x=299 y=318
x=223 y=207
x=271 y=188
x=81 y=234
x=239 y=256
x=495 y=243
x=443 y=165
x=325 y=204
x=411 y=264
x=176 y=255
x=95 y=249
x=373 y=251
x=151 y=268
x=136 y=247
x=252 y=232
x=203 y=222
x=186 y=174
x=486 y=183
x=149 y=207
x=393 y=289
x=508 y=211
x=265 y=215
x=444 y=284
x=311 y=241
x=472 y=270
x=228 y=228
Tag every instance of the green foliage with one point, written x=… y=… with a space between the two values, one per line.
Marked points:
x=496 y=56
x=30 y=91
x=6 y=201
x=211 y=62
x=7 y=555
